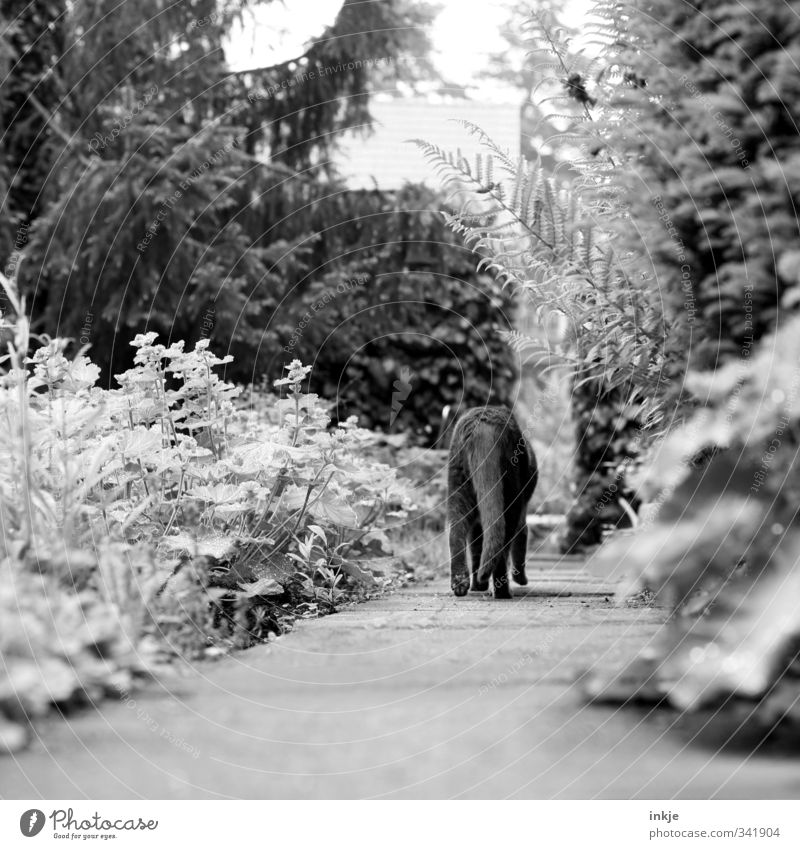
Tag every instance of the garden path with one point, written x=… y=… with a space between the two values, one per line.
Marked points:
x=417 y=694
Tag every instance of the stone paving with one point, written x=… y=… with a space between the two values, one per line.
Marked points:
x=415 y=695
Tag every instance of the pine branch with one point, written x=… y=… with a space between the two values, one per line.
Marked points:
x=52 y=121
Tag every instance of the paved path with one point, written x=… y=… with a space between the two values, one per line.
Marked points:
x=416 y=695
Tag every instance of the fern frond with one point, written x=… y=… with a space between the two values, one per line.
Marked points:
x=487 y=141
x=553 y=241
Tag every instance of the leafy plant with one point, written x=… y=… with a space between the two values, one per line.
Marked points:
x=557 y=247
x=714 y=146
x=169 y=517
x=400 y=310
x=152 y=181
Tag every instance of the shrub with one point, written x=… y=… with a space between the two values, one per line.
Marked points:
x=710 y=169
x=550 y=243
x=713 y=189
x=401 y=311
x=166 y=517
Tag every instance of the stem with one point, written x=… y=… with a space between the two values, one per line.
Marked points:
x=27 y=505
x=177 y=506
x=296 y=432
x=208 y=414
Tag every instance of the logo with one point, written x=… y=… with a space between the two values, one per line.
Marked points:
x=31 y=822
x=402 y=389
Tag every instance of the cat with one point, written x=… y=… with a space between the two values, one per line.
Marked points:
x=492 y=474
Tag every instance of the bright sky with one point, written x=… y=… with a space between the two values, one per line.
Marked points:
x=462 y=41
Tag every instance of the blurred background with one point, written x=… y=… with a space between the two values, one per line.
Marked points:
x=395 y=209
x=196 y=180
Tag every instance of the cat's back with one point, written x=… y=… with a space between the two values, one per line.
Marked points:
x=495 y=418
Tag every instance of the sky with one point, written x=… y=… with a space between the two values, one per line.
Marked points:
x=462 y=38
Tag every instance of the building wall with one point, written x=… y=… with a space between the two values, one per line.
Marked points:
x=387 y=158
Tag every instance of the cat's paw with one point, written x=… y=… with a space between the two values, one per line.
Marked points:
x=520 y=578
x=460 y=585
x=502 y=592
x=479 y=586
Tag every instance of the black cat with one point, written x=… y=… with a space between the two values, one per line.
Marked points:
x=492 y=474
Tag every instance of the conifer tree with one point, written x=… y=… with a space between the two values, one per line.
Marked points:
x=160 y=160
x=32 y=44
x=707 y=129
x=707 y=122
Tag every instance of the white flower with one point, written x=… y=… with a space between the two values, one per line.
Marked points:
x=83 y=373
x=144 y=339
x=297 y=371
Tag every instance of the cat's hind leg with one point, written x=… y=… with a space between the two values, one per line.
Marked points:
x=475 y=550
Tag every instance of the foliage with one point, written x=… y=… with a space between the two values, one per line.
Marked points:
x=709 y=137
x=512 y=65
x=164 y=517
x=716 y=199
x=553 y=243
x=420 y=543
x=6 y=226
x=672 y=255
x=31 y=42
x=295 y=108
x=609 y=434
x=556 y=244
x=207 y=208
x=720 y=548
x=399 y=313
x=160 y=158
x=135 y=222
x=648 y=278
x=542 y=133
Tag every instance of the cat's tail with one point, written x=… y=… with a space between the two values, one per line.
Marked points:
x=487 y=466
